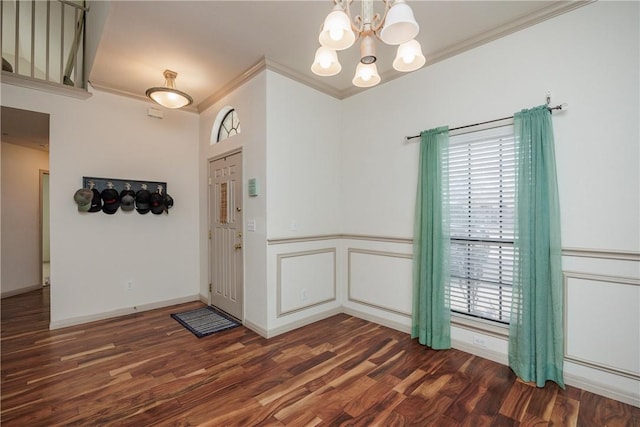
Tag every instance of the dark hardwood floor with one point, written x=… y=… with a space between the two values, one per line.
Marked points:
x=146 y=369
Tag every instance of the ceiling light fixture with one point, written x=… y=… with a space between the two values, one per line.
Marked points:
x=396 y=26
x=168 y=96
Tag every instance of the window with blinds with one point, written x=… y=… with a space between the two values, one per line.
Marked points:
x=482 y=198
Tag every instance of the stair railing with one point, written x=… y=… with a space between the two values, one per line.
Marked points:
x=34 y=32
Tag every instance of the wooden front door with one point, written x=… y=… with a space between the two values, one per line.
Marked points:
x=225 y=244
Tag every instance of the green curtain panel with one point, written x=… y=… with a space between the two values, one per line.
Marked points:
x=431 y=312
x=536 y=338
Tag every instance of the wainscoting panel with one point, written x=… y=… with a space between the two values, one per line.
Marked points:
x=380 y=279
x=608 y=342
x=305 y=279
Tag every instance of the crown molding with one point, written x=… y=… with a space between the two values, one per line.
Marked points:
x=103 y=87
x=304 y=79
x=522 y=23
x=551 y=11
x=555 y=9
x=267 y=64
x=232 y=85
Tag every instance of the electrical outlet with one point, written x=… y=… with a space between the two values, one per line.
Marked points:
x=479 y=341
x=129 y=285
x=303 y=295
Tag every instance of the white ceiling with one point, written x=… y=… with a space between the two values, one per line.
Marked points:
x=27 y=128
x=211 y=43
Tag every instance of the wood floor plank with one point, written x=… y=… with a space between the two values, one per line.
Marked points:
x=516 y=402
x=147 y=370
x=565 y=412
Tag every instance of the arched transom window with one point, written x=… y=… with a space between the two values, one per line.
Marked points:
x=227 y=124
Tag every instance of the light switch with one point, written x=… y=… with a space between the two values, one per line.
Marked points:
x=251 y=225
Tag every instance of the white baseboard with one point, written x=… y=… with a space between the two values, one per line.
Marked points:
x=8 y=294
x=255 y=328
x=120 y=312
x=204 y=299
x=270 y=333
x=376 y=319
x=605 y=390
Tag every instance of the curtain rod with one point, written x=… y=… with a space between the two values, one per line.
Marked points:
x=563 y=106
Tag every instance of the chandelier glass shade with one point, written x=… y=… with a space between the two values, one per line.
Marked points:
x=395 y=26
x=168 y=96
x=326 y=62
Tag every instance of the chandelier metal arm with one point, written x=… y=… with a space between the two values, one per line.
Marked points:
x=358 y=23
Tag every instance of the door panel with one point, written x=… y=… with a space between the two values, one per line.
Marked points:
x=225 y=222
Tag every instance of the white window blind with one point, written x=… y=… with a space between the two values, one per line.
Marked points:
x=482 y=198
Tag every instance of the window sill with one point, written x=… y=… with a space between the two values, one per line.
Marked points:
x=480 y=325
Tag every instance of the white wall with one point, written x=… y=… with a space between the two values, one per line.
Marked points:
x=21 y=217
x=290 y=144
x=303 y=159
x=588 y=58
x=250 y=102
x=341 y=167
x=94 y=255
x=303 y=175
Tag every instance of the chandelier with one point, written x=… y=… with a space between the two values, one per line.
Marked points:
x=396 y=26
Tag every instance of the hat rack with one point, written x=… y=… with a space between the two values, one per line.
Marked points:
x=119 y=184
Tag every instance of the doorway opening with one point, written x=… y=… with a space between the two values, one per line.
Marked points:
x=25 y=201
x=45 y=249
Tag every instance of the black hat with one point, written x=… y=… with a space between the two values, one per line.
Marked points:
x=96 y=202
x=157 y=203
x=168 y=203
x=127 y=200
x=143 y=198
x=110 y=201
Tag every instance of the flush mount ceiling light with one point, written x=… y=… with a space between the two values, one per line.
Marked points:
x=168 y=96
x=396 y=26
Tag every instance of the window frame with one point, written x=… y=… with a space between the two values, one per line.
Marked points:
x=469 y=320
x=233 y=115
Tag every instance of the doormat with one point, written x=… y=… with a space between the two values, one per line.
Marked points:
x=205 y=321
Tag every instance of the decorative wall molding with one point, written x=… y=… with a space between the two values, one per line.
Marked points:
x=600 y=278
x=602 y=253
x=373 y=253
x=615 y=254
x=303 y=239
x=313 y=238
x=614 y=280
x=280 y=258
x=383 y=239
